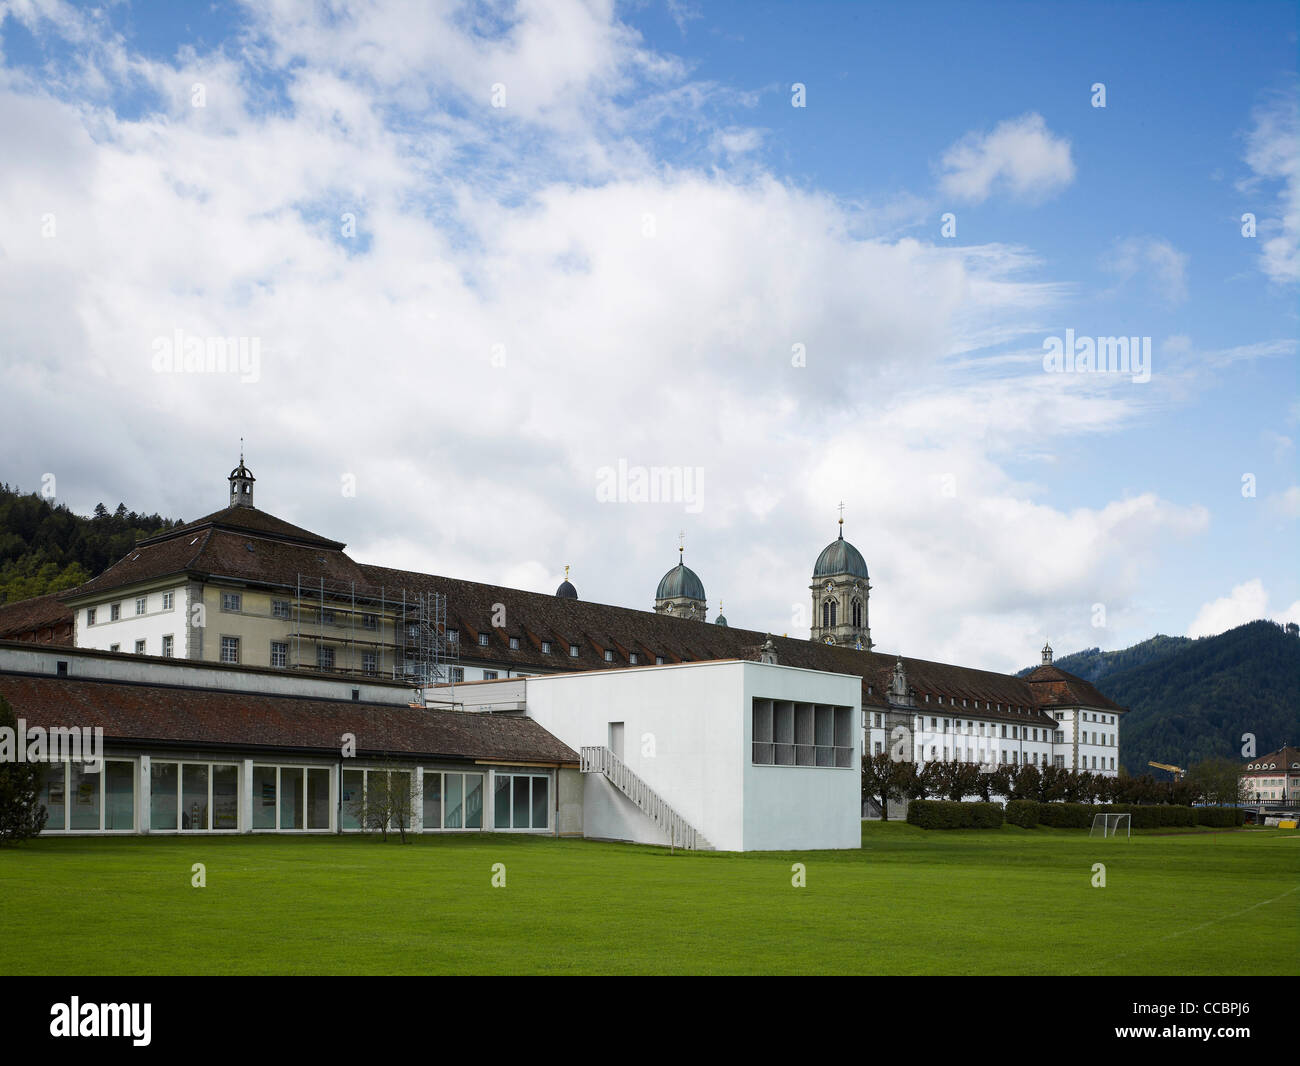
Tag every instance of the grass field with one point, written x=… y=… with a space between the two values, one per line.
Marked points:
x=1008 y=901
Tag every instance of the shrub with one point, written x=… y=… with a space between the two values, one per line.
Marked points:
x=947 y=814
x=1023 y=813
x=1220 y=816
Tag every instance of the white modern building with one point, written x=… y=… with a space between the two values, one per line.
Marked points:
x=734 y=755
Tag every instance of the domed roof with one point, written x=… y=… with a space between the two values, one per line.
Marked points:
x=566 y=591
x=721 y=620
x=840 y=557
x=681 y=582
x=241 y=471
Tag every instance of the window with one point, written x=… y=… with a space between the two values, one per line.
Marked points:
x=114 y=612
x=631 y=658
x=77 y=798
x=514 y=643
x=457 y=674
x=230 y=601
x=659 y=660
x=857 y=614
x=325 y=658
x=193 y=796
x=609 y=656
x=573 y=651
x=139 y=647
x=142 y=605
x=90 y=616
x=291 y=797
x=483 y=640
x=279 y=654
x=279 y=608
x=1004 y=732
x=370 y=621
x=168 y=645
x=452 y=801
x=489 y=675
x=521 y=801
x=369 y=663
x=546 y=647
x=230 y=649
x=169 y=601
x=115 y=647
x=326 y=618
x=453 y=636
x=801 y=734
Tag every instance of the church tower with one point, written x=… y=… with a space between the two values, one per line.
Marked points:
x=241 y=485
x=840 y=590
x=681 y=592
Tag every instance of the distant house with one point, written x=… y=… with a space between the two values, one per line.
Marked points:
x=1273 y=778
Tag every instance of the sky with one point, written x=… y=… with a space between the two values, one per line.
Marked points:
x=495 y=268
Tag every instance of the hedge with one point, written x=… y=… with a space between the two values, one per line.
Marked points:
x=946 y=814
x=1220 y=816
x=1023 y=813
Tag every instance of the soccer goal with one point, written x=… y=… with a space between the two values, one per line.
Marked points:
x=1111 y=825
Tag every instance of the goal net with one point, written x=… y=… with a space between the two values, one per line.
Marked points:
x=1111 y=825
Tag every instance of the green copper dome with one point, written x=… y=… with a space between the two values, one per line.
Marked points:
x=840 y=557
x=680 y=582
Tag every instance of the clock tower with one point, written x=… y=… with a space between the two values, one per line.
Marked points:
x=840 y=590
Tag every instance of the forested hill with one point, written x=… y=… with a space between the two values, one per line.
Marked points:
x=44 y=547
x=1190 y=700
x=1094 y=664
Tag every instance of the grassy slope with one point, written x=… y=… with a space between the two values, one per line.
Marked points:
x=1008 y=901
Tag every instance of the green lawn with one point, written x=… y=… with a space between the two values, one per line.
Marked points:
x=1009 y=901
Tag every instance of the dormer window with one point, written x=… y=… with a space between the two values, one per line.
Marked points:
x=573 y=651
x=453 y=636
x=482 y=640
x=632 y=658
x=514 y=643
x=546 y=647
x=659 y=660
x=609 y=656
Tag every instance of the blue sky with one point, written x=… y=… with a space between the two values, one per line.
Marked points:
x=641 y=234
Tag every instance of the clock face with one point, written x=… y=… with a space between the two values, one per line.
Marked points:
x=829 y=586
x=828 y=640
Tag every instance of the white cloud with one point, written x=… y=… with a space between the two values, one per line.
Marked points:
x=1273 y=155
x=1153 y=260
x=1246 y=602
x=1021 y=156
x=644 y=313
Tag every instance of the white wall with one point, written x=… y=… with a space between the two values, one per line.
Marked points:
x=687 y=734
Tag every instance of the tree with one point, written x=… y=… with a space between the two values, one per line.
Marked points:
x=956 y=779
x=883 y=779
x=387 y=802
x=22 y=815
x=1218 y=781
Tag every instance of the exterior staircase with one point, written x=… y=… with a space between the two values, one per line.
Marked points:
x=681 y=834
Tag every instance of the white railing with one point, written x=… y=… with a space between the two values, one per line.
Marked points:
x=681 y=834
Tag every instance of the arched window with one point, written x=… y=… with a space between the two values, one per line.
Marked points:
x=826 y=614
x=833 y=606
x=857 y=614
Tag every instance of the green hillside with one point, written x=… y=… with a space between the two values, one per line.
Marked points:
x=1190 y=700
x=44 y=547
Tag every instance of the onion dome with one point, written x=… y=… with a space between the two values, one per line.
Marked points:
x=566 y=591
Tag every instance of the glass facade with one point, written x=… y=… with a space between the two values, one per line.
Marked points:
x=89 y=799
x=521 y=801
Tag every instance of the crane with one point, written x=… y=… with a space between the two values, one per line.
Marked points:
x=1177 y=771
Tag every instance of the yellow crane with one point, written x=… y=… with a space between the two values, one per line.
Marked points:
x=1177 y=771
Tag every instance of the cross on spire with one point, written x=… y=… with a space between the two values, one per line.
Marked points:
x=681 y=543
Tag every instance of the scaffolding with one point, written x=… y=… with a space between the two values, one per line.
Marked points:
x=372 y=632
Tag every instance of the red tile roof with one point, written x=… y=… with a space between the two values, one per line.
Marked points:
x=169 y=715
x=39 y=612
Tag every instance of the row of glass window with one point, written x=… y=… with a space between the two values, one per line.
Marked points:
x=199 y=796
x=141 y=607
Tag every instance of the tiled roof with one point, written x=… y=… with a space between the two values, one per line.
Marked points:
x=1282 y=759
x=143 y=714
x=243 y=544
x=35 y=613
x=248 y=520
x=1054 y=687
